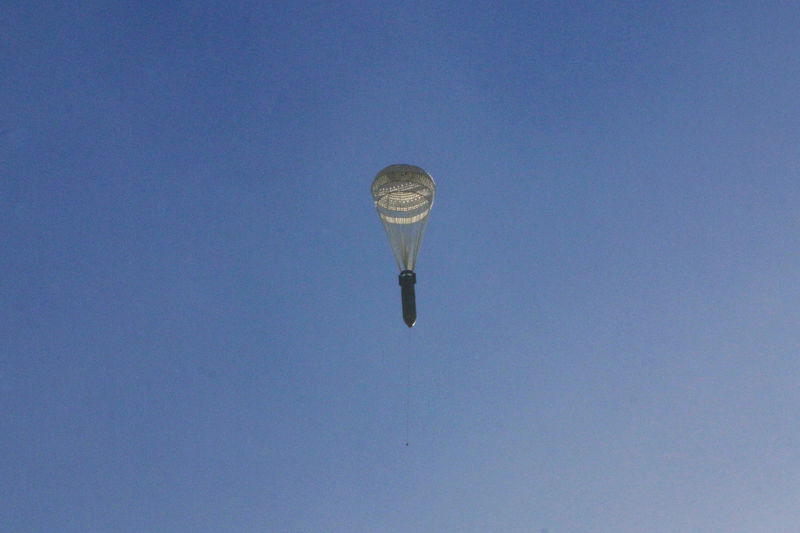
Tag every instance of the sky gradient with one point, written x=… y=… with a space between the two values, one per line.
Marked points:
x=200 y=324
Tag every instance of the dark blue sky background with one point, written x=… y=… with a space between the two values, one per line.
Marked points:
x=200 y=324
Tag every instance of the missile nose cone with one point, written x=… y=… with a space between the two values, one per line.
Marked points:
x=407 y=279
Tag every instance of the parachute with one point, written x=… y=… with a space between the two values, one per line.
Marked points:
x=403 y=196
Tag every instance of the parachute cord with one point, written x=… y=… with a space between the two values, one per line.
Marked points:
x=408 y=386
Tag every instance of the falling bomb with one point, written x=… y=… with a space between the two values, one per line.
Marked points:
x=407 y=280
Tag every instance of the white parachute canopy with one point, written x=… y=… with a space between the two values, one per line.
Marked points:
x=403 y=196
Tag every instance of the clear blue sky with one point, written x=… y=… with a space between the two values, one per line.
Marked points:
x=200 y=324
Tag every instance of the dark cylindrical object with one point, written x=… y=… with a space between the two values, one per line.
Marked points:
x=407 y=280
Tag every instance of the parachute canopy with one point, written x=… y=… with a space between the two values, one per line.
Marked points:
x=403 y=196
